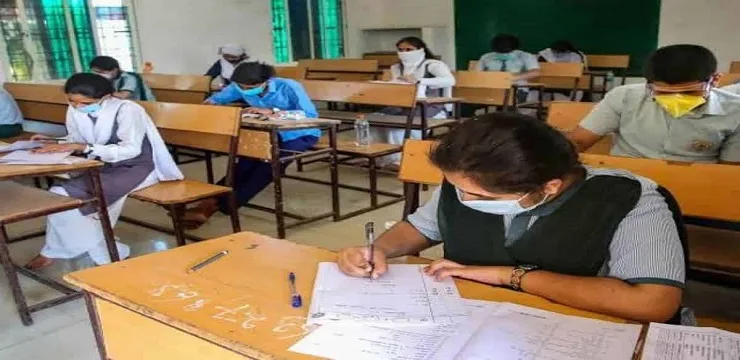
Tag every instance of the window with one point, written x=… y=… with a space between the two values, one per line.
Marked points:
x=305 y=29
x=53 y=39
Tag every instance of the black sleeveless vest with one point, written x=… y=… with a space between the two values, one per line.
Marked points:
x=574 y=239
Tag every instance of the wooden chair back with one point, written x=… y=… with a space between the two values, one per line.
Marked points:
x=735 y=67
x=362 y=93
x=566 y=76
x=385 y=60
x=180 y=89
x=566 y=115
x=40 y=102
x=386 y=75
x=290 y=72
x=704 y=190
x=203 y=127
x=415 y=164
x=608 y=61
x=729 y=79
x=340 y=69
x=491 y=88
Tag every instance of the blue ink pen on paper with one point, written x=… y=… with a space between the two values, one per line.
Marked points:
x=295 y=297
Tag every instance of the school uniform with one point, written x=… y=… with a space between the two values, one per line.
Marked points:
x=221 y=71
x=251 y=176
x=122 y=136
x=11 y=118
x=133 y=83
x=635 y=238
x=435 y=79
x=515 y=62
x=562 y=57
x=643 y=129
x=734 y=88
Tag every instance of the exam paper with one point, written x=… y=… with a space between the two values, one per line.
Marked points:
x=668 y=342
x=21 y=145
x=518 y=332
x=25 y=157
x=395 y=342
x=404 y=295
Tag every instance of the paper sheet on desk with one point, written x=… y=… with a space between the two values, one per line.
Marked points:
x=404 y=295
x=21 y=145
x=667 y=342
x=518 y=332
x=395 y=342
x=25 y=157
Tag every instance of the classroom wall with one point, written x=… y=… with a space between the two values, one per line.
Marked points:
x=401 y=14
x=711 y=23
x=183 y=36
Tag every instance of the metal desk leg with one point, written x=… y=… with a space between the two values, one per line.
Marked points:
x=12 y=275
x=277 y=174
x=110 y=239
x=92 y=312
x=334 y=172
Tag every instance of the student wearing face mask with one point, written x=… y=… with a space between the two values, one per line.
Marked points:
x=255 y=83
x=127 y=85
x=118 y=133
x=433 y=77
x=678 y=115
x=231 y=56
x=506 y=56
x=517 y=209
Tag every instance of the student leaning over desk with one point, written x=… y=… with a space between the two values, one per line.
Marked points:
x=118 y=133
x=518 y=209
x=256 y=84
x=678 y=115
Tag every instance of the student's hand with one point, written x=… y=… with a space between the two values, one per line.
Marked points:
x=60 y=148
x=353 y=261
x=411 y=79
x=266 y=112
x=493 y=275
x=43 y=139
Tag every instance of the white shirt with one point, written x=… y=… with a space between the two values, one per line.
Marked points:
x=443 y=78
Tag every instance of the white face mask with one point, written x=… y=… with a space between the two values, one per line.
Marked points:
x=411 y=57
x=498 y=207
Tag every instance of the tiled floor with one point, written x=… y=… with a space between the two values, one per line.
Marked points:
x=63 y=332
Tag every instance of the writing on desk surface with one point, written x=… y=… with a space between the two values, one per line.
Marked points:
x=244 y=315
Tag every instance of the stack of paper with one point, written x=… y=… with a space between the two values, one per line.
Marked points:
x=26 y=157
x=20 y=145
x=665 y=342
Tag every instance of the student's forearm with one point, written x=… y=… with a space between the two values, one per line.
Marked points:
x=402 y=239
x=610 y=296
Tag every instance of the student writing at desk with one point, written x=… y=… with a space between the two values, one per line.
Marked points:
x=417 y=65
x=231 y=56
x=128 y=85
x=256 y=84
x=679 y=115
x=518 y=209
x=11 y=119
x=118 y=133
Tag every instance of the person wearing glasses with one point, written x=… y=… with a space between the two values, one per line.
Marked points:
x=678 y=115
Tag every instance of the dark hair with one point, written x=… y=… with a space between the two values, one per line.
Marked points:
x=565 y=46
x=419 y=44
x=106 y=63
x=506 y=152
x=504 y=43
x=682 y=63
x=252 y=73
x=88 y=84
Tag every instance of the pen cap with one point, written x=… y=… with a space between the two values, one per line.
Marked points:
x=296 y=301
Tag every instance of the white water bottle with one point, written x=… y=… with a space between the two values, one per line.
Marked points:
x=362 y=131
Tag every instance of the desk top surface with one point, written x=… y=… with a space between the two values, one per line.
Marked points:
x=242 y=301
x=308 y=123
x=8 y=172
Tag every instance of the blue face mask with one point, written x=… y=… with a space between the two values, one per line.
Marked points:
x=498 y=207
x=253 y=91
x=89 y=109
x=504 y=57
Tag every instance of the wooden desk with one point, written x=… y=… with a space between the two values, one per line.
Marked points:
x=238 y=306
x=260 y=139
x=21 y=203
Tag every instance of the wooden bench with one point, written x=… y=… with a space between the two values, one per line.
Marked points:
x=562 y=76
x=487 y=88
x=600 y=65
x=735 y=67
x=566 y=115
x=179 y=89
x=40 y=102
x=183 y=125
x=385 y=59
x=291 y=72
x=340 y=69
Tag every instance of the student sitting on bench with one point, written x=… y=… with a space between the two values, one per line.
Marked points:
x=128 y=85
x=518 y=209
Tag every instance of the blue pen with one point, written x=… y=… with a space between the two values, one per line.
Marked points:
x=295 y=297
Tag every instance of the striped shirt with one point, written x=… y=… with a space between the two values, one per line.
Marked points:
x=645 y=248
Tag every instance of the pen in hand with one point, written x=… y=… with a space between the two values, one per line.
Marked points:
x=370 y=238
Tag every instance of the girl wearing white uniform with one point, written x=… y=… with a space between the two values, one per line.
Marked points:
x=118 y=133
x=232 y=55
x=563 y=51
x=417 y=66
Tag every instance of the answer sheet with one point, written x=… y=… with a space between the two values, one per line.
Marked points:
x=395 y=342
x=25 y=157
x=668 y=342
x=518 y=332
x=20 y=145
x=404 y=295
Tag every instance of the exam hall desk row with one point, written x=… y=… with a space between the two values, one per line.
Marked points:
x=216 y=129
x=701 y=190
x=237 y=307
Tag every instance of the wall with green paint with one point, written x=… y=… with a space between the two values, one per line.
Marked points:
x=595 y=26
